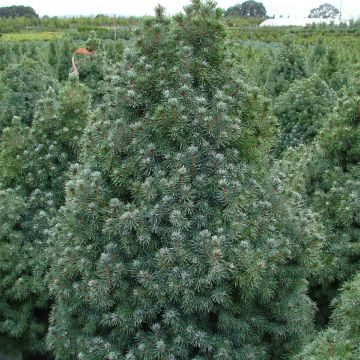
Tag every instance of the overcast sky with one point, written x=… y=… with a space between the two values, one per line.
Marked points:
x=293 y=8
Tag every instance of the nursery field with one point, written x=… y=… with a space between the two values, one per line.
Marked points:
x=31 y=36
x=182 y=187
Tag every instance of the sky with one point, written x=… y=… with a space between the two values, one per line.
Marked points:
x=292 y=8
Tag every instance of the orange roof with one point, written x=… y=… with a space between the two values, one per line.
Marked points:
x=83 y=51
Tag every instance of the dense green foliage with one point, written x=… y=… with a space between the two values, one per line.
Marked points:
x=302 y=111
x=327 y=173
x=332 y=70
x=195 y=196
x=171 y=244
x=22 y=85
x=290 y=65
x=92 y=67
x=34 y=161
x=54 y=23
x=17 y=11
x=341 y=340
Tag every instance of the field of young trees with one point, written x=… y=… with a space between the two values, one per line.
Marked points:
x=182 y=187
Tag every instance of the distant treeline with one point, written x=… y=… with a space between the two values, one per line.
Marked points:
x=18 y=11
x=63 y=23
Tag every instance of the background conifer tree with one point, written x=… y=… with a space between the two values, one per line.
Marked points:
x=318 y=54
x=37 y=53
x=302 y=111
x=22 y=86
x=33 y=162
x=289 y=65
x=66 y=50
x=14 y=141
x=333 y=70
x=53 y=55
x=341 y=339
x=172 y=245
x=327 y=173
x=114 y=51
x=92 y=67
x=7 y=55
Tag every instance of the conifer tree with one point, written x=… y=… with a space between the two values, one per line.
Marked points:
x=332 y=70
x=14 y=141
x=66 y=50
x=36 y=51
x=23 y=84
x=7 y=55
x=33 y=162
x=262 y=66
x=114 y=50
x=289 y=65
x=327 y=174
x=92 y=67
x=318 y=54
x=53 y=55
x=341 y=340
x=17 y=49
x=302 y=111
x=171 y=245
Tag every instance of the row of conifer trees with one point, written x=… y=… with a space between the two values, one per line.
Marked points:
x=169 y=210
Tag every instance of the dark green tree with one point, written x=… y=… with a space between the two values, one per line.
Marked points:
x=318 y=53
x=249 y=8
x=172 y=245
x=7 y=56
x=114 y=50
x=93 y=43
x=341 y=339
x=66 y=51
x=22 y=85
x=53 y=56
x=333 y=70
x=14 y=141
x=302 y=111
x=260 y=69
x=92 y=67
x=327 y=174
x=289 y=65
x=18 y=11
x=33 y=163
x=36 y=51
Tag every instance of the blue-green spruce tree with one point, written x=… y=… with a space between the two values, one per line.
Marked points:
x=33 y=162
x=22 y=85
x=172 y=244
x=340 y=340
x=302 y=111
x=290 y=64
x=326 y=173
